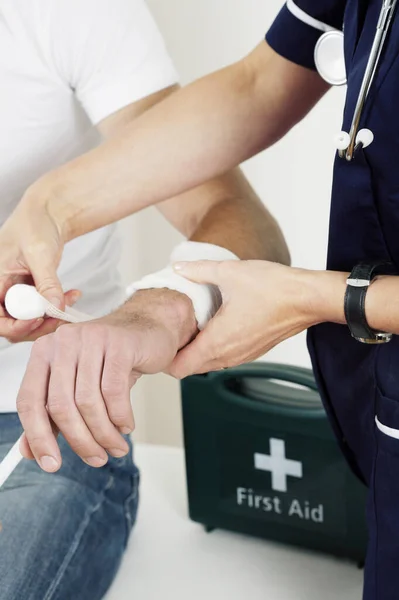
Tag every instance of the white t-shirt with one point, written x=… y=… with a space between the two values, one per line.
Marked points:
x=64 y=66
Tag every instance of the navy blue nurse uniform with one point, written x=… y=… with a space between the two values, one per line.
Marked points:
x=359 y=382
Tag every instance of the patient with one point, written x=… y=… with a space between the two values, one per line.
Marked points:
x=73 y=71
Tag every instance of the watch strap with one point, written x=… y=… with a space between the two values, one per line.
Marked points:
x=355 y=298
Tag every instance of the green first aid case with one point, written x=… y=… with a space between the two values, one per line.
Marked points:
x=262 y=459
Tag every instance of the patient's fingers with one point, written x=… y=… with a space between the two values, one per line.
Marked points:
x=31 y=406
x=90 y=401
x=78 y=380
x=115 y=386
x=24 y=444
x=24 y=448
x=61 y=396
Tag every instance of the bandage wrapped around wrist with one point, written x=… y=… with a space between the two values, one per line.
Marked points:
x=206 y=298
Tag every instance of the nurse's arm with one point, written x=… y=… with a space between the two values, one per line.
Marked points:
x=281 y=301
x=225 y=210
x=324 y=293
x=195 y=135
x=382 y=300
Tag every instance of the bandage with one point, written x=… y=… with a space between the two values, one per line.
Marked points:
x=25 y=303
x=206 y=298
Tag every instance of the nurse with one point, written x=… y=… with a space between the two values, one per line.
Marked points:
x=352 y=308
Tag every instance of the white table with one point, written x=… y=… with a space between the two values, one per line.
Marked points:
x=172 y=558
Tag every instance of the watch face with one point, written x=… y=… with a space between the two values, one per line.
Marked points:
x=358 y=283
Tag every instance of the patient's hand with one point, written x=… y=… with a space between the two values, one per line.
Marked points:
x=78 y=379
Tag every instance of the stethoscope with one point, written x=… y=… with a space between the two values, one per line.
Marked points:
x=330 y=63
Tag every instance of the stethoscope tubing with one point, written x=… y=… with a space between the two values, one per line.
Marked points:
x=348 y=143
x=383 y=25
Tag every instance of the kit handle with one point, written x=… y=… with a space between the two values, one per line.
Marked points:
x=279 y=372
x=269 y=371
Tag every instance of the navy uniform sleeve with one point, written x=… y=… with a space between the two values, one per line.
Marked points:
x=294 y=38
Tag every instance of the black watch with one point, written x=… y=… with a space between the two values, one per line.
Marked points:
x=357 y=285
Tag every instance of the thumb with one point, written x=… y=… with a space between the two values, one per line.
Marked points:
x=72 y=296
x=193 y=359
x=44 y=273
x=203 y=271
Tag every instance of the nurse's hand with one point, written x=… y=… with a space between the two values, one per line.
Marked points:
x=263 y=304
x=31 y=245
x=78 y=379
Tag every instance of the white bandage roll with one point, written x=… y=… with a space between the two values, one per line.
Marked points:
x=206 y=299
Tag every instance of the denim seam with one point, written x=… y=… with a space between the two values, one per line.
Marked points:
x=76 y=542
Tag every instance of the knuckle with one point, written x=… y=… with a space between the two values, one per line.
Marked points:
x=113 y=366
x=57 y=408
x=113 y=387
x=65 y=334
x=35 y=441
x=23 y=405
x=92 y=332
x=41 y=345
x=118 y=417
x=85 y=402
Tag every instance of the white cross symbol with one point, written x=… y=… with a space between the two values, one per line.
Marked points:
x=279 y=466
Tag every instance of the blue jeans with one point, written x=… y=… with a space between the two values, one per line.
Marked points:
x=63 y=536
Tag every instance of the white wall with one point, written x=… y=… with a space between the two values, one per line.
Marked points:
x=293 y=178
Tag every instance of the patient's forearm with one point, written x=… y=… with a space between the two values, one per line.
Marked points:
x=196 y=134
x=169 y=308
